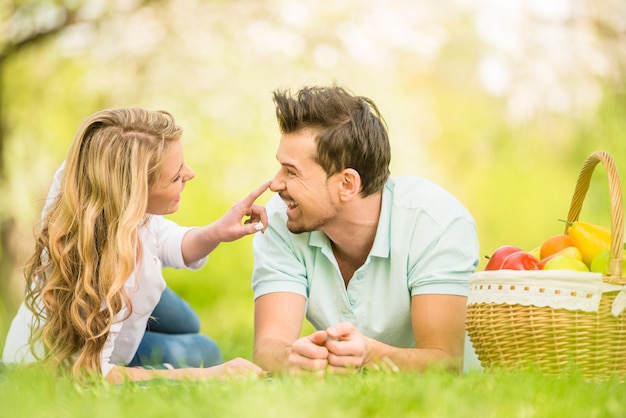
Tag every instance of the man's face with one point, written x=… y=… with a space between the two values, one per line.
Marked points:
x=303 y=184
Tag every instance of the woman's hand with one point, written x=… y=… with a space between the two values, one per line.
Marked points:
x=244 y=217
x=235 y=368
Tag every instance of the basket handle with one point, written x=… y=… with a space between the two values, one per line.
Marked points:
x=614 y=270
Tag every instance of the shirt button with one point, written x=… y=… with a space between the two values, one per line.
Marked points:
x=352 y=302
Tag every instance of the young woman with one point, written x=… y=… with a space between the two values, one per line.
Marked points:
x=94 y=282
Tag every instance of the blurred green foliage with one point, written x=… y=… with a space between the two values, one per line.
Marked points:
x=214 y=64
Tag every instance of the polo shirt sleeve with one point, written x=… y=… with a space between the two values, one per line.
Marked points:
x=278 y=265
x=438 y=234
x=448 y=262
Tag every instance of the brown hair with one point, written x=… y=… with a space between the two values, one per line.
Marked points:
x=350 y=131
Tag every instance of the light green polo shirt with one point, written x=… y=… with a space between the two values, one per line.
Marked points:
x=426 y=243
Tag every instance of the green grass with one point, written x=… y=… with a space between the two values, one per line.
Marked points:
x=497 y=393
x=222 y=297
x=227 y=318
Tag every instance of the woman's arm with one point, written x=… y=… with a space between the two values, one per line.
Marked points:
x=199 y=242
x=237 y=367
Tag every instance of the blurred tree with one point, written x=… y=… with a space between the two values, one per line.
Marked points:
x=25 y=25
x=497 y=101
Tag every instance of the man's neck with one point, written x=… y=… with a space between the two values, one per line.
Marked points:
x=352 y=235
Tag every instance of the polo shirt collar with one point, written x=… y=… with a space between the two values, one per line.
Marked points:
x=382 y=242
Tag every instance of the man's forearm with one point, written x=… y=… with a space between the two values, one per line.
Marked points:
x=381 y=355
x=272 y=355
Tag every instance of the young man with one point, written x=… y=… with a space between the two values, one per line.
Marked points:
x=379 y=265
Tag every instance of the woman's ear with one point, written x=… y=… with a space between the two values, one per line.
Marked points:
x=350 y=184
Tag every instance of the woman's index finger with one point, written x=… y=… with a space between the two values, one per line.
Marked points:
x=254 y=195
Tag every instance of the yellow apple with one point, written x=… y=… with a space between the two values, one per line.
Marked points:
x=563 y=262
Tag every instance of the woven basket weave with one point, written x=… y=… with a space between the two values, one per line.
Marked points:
x=560 y=341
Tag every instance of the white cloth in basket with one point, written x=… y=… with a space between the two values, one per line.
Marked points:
x=557 y=289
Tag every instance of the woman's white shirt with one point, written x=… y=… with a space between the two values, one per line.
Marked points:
x=161 y=241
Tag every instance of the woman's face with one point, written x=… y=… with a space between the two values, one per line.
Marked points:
x=164 y=195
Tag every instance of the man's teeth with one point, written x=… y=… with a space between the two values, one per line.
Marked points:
x=291 y=203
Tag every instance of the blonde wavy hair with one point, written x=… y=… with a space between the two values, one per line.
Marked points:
x=89 y=245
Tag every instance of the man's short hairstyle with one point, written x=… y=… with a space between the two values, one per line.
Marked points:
x=350 y=132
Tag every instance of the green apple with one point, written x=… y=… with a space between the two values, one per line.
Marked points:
x=600 y=262
x=563 y=262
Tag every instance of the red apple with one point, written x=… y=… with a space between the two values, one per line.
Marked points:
x=520 y=260
x=496 y=260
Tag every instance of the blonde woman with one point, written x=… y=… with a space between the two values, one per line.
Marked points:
x=94 y=282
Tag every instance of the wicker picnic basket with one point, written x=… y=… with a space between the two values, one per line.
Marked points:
x=557 y=322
